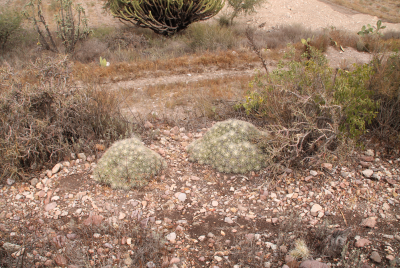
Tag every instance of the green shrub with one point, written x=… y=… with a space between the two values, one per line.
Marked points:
x=128 y=164
x=165 y=17
x=10 y=23
x=243 y=7
x=229 y=147
x=352 y=92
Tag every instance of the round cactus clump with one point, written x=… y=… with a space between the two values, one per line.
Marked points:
x=229 y=147
x=128 y=164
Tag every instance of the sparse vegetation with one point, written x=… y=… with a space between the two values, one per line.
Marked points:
x=44 y=116
x=70 y=28
x=304 y=115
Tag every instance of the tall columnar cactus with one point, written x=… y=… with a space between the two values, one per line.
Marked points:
x=128 y=164
x=165 y=17
x=228 y=146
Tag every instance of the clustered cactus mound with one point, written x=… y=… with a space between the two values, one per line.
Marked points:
x=128 y=164
x=229 y=147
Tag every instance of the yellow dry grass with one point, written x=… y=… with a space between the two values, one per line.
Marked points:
x=94 y=73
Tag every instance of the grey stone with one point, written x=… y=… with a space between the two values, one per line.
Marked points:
x=11 y=247
x=375 y=257
x=228 y=220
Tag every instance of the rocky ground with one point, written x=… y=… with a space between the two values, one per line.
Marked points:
x=193 y=216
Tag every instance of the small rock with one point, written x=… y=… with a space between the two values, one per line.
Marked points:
x=328 y=166
x=50 y=206
x=228 y=220
x=312 y=264
x=375 y=257
x=150 y=264
x=174 y=260
x=390 y=257
x=201 y=238
x=93 y=220
x=386 y=207
x=313 y=173
x=148 y=125
x=369 y=222
x=367 y=173
x=56 y=168
x=362 y=243
x=10 y=181
x=34 y=181
x=315 y=210
x=370 y=152
x=214 y=203
x=283 y=249
x=108 y=245
x=171 y=237
x=218 y=258
x=61 y=260
x=121 y=216
x=82 y=156
x=128 y=262
x=11 y=248
x=182 y=197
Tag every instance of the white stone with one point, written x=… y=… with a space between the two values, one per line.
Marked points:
x=313 y=173
x=182 y=197
x=55 y=198
x=201 y=238
x=214 y=203
x=315 y=209
x=367 y=173
x=56 y=168
x=171 y=237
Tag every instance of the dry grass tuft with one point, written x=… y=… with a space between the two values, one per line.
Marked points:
x=44 y=116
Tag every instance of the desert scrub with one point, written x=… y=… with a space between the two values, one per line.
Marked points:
x=229 y=147
x=128 y=164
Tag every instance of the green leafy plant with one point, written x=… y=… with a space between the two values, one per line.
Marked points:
x=128 y=164
x=243 y=7
x=229 y=147
x=103 y=62
x=70 y=28
x=366 y=30
x=353 y=93
x=10 y=23
x=165 y=17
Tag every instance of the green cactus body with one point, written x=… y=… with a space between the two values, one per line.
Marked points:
x=128 y=164
x=228 y=147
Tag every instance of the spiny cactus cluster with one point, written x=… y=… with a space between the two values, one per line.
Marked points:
x=228 y=147
x=128 y=164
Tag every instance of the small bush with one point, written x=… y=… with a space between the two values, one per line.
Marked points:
x=243 y=7
x=10 y=24
x=229 y=147
x=203 y=37
x=43 y=117
x=128 y=164
x=306 y=106
x=71 y=28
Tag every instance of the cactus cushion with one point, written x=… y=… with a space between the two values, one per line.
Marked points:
x=228 y=146
x=128 y=164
